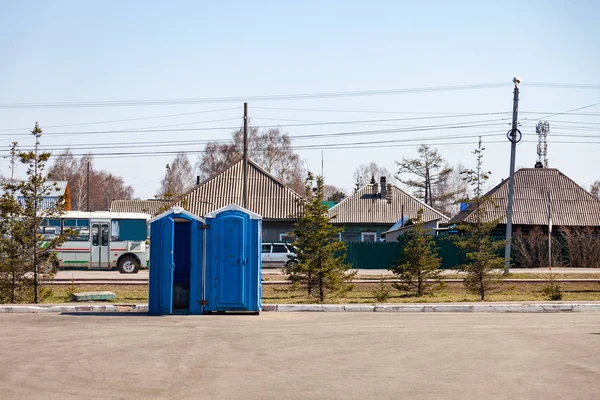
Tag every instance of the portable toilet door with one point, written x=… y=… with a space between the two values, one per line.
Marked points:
x=160 y=292
x=176 y=255
x=234 y=260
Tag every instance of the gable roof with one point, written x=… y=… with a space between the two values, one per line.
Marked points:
x=54 y=190
x=363 y=207
x=152 y=207
x=400 y=228
x=572 y=205
x=267 y=196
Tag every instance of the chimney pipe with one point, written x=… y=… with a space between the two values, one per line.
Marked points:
x=197 y=180
x=383 y=187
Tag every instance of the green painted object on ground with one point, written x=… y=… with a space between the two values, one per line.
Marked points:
x=94 y=296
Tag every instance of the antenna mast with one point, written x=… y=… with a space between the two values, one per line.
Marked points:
x=542 y=128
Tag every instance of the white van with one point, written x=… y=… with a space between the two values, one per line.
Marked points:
x=278 y=253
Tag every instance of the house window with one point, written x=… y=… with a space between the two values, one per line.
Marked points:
x=286 y=237
x=368 y=236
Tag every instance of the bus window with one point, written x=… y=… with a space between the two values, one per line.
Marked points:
x=49 y=228
x=94 y=235
x=81 y=226
x=104 y=235
x=115 y=231
x=128 y=229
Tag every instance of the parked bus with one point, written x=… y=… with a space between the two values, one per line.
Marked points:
x=104 y=240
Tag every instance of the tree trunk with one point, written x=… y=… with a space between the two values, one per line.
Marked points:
x=321 y=292
x=426 y=185
x=430 y=194
x=13 y=288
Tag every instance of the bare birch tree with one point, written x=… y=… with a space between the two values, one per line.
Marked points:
x=365 y=172
x=427 y=176
x=179 y=177
x=271 y=149
x=103 y=186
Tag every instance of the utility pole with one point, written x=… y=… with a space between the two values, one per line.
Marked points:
x=88 y=186
x=321 y=163
x=245 y=162
x=549 y=230
x=37 y=133
x=514 y=136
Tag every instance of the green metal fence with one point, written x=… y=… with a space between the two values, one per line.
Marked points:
x=383 y=255
x=372 y=255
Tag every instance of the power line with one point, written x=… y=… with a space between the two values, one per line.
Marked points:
x=565 y=112
x=90 y=146
x=233 y=128
x=562 y=85
x=433 y=114
x=125 y=120
x=330 y=146
x=277 y=97
x=82 y=146
x=300 y=96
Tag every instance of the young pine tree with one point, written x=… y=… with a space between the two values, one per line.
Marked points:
x=481 y=250
x=25 y=254
x=12 y=270
x=419 y=266
x=319 y=270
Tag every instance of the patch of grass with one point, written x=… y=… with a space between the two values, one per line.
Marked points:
x=362 y=293
x=125 y=294
x=382 y=291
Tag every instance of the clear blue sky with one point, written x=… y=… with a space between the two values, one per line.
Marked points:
x=74 y=51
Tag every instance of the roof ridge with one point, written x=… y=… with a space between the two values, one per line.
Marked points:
x=422 y=202
x=556 y=183
x=240 y=161
x=348 y=198
x=354 y=203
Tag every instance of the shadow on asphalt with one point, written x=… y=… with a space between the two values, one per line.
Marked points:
x=145 y=314
x=105 y=313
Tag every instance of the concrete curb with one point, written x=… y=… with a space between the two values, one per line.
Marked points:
x=389 y=308
x=58 y=308
x=412 y=308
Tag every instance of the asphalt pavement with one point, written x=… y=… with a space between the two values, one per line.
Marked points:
x=301 y=356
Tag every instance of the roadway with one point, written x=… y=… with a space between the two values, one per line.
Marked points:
x=301 y=356
x=98 y=276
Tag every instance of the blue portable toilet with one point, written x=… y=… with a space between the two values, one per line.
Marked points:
x=177 y=239
x=234 y=263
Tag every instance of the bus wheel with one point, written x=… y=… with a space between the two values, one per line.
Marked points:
x=46 y=267
x=128 y=265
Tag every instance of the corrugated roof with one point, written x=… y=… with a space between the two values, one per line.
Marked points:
x=152 y=207
x=572 y=205
x=55 y=189
x=365 y=208
x=267 y=196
